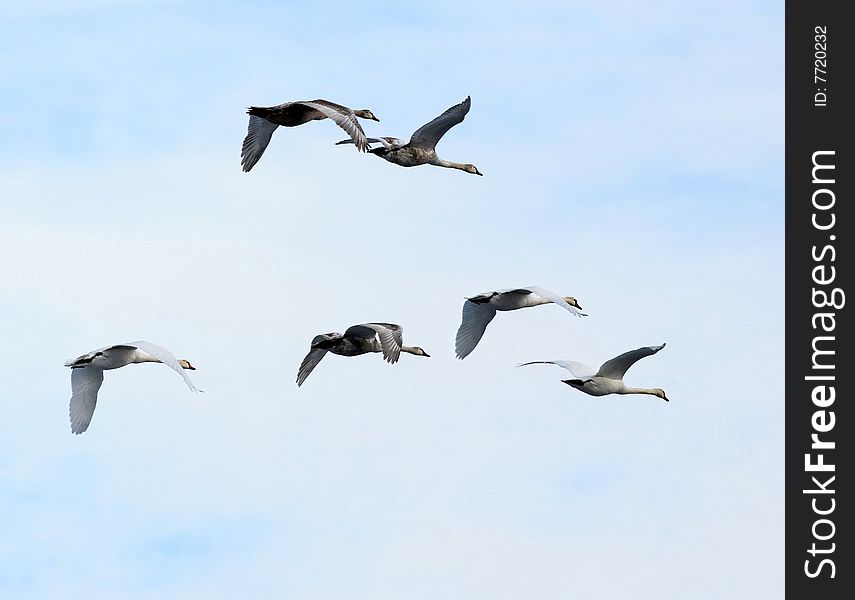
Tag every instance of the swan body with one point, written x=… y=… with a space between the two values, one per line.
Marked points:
x=479 y=310
x=386 y=338
x=609 y=378
x=263 y=121
x=421 y=149
x=87 y=374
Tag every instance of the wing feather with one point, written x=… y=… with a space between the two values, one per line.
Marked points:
x=309 y=363
x=85 y=383
x=428 y=135
x=577 y=369
x=618 y=366
x=167 y=358
x=389 y=334
x=255 y=143
x=554 y=298
x=344 y=118
x=476 y=317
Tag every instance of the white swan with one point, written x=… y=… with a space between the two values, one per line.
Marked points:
x=421 y=149
x=479 y=310
x=609 y=379
x=263 y=121
x=87 y=374
x=358 y=339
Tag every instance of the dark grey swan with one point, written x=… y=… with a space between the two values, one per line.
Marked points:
x=358 y=339
x=263 y=121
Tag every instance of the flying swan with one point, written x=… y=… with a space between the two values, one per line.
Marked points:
x=358 y=339
x=87 y=374
x=609 y=379
x=479 y=310
x=421 y=149
x=263 y=121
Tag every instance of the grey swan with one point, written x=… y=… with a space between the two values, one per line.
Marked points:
x=609 y=378
x=421 y=149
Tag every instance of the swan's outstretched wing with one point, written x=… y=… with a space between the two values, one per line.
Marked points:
x=319 y=347
x=85 y=383
x=618 y=366
x=391 y=339
x=343 y=117
x=428 y=135
x=309 y=363
x=390 y=335
x=577 y=369
x=554 y=298
x=476 y=317
x=255 y=143
x=166 y=357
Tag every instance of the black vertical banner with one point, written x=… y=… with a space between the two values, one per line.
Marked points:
x=820 y=110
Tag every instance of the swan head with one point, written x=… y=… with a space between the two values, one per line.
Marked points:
x=364 y=113
x=419 y=352
x=186 y=365
x=660 y=393
x=572 y=302
x=472 y=169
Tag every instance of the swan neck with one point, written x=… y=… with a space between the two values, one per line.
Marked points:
x=447 y=163
x=634 y=390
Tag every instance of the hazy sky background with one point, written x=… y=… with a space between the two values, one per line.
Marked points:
x=632 y=156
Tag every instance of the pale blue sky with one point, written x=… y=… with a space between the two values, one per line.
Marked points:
x=633 y=157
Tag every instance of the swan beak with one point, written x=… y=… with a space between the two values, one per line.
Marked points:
x=375 y=119
x=425 y=354
x=477 y=172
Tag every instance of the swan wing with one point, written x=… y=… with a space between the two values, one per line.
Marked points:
x=344 y=118
x=167 y=358
x=390 y=335
x=476 y=317
x=309 y=363
x=428 y=135
x=255 y=143
x=85 y=383
x=577 y=369
x=391 y=339
x=554 y=298
x=618 y=366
